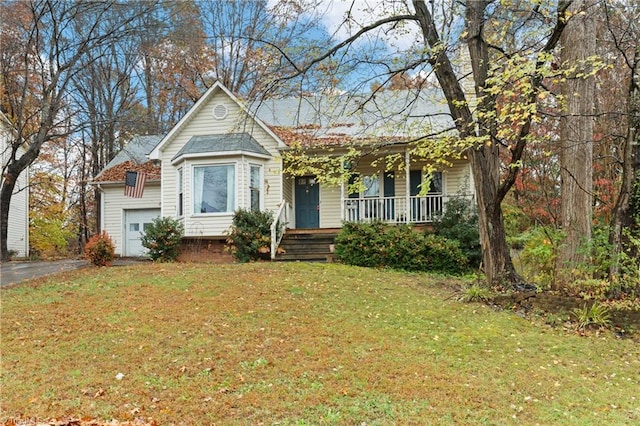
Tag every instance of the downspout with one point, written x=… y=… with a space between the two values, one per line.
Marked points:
x=101 y=227
x=342 y=201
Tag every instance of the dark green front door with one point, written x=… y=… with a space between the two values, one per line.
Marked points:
x=307 y=202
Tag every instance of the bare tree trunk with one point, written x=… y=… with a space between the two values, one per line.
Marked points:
x=5 y=202
x=576 y=138
x=622 y=210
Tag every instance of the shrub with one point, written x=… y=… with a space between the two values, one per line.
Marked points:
x=444 y=255
x=100 y=249
x=404 y=248
x=250 y=235
x=474 y=293
x=459 y=222
x=539 y=254
x=399 y=247
x=596 y=315
x=361 y=244
x=516 y=223
x=600 y=257
x=162 y=237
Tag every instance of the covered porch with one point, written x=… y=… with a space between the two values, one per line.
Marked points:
x=393 y=210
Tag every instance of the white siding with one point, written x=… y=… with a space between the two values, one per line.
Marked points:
x=202 y=122
x=114 y=203
x=330 y=216
x=18 y=225
x=458 y=179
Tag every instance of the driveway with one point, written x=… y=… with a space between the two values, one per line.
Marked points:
x=16 y=272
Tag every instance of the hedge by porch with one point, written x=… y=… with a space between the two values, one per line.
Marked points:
x=401 y=247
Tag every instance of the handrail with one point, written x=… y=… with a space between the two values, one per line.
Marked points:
x=275 y=226
x=402 y=209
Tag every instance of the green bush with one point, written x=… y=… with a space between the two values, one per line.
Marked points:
x=399 y=247
x=444 y=255
x=250 y=235
x=539 y=255
x=516 y=224
x=600 y=257
x=404 y=248
x=163 y=237
x=459 y=222
x=361 y=244
x=100 y=249
x=596 y=315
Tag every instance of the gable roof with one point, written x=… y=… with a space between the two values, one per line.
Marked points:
x=397 y=115
x=226 y=143
x=217 y=86
x=136 y=150
x=133 y=157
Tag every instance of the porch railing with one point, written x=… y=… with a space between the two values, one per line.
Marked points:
x=413 y=209
x=280 y=221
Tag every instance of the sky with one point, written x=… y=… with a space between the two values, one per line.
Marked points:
x=363 y=12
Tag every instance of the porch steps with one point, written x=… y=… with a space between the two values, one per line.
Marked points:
x=307 y=245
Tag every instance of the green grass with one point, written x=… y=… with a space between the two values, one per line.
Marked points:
x=296 y=344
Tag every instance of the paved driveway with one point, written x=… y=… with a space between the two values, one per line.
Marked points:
x=15 y=272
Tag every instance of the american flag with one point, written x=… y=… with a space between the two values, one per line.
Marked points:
x=134 y=184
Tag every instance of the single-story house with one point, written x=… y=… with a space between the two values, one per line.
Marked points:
x=18 y=225
x=225 y=155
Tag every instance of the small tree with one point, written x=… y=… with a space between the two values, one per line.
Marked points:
x=163 y=238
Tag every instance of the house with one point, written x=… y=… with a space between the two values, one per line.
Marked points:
x=225 y=155
x=18 y=225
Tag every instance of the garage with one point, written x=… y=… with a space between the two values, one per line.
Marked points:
x=135 y=223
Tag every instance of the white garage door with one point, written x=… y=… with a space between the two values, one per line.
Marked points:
x=135 y=223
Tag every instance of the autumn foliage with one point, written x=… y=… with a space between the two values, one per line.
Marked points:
x=100 y=249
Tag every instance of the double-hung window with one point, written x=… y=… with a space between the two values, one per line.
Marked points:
x=371 y=194
x=214 y=189
x=255 y=187
x=180 y=193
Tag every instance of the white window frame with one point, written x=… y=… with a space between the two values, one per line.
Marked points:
x=260 y=186
x=236 y=179
x=180 y=192
x=370 y=182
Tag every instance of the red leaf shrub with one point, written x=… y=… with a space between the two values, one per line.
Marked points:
x=100 y=249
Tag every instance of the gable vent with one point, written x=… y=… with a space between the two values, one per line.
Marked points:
x=220 y=112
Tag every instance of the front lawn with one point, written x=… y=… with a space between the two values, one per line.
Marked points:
x=296 y=344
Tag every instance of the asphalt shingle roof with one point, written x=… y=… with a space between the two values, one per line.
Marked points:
x=395 y=114
x=231 y=142
x=132 y=157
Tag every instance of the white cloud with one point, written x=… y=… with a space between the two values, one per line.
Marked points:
x=364 y=12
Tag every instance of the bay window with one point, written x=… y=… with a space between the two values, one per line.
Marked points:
x=214 y=189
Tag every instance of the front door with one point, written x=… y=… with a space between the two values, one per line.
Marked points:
x=307 y=202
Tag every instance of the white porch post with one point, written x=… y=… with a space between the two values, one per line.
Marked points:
x=407 y=177
x=342 y=203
